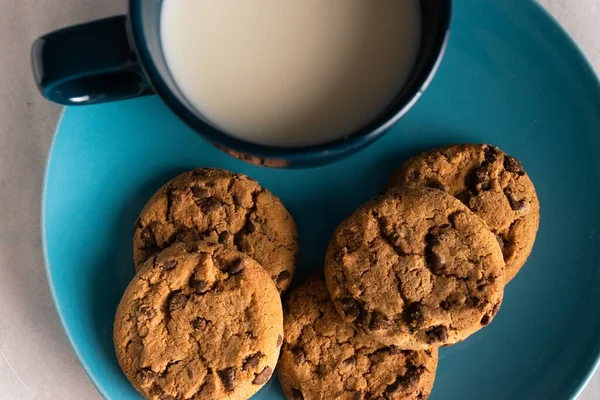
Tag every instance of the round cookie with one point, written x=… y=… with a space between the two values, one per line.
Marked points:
x=218 y=206
x=199 y=324
x=415 y=268
x=324 y=358
x=492 y=184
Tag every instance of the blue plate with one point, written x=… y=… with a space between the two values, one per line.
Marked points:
x=511 y=77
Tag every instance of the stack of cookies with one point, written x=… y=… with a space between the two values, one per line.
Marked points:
x=420 y=266
x=202 y=318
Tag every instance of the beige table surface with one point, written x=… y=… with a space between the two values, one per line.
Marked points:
x=36 y=361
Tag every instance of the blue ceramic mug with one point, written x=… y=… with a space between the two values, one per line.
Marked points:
x=121 y=57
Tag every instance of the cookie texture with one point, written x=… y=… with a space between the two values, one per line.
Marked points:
x=324 y=358
x=415 y=268
x=199 y=323
x=492 y=184
x=221 y=207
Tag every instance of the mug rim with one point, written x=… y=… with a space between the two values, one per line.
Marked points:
x=332 y=149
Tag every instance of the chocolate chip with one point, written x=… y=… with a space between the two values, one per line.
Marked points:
x=170 y=264
x=358 y=396
x=228 y=378
x=147 y=311
x=511 y=164
x=486 y=320
x=395 y=239
x=284 y=276
x=414 y=175
x=209 y=205
x=380 y=352
x=349 y=361
x=413 y=315
x=299 y=354
x=218 y=287
x=263 y=376
x=279 y=340
x=394 y=386
x=321 y=370
x=444 y=305
x=177 y=301
x=434 y=261
x=479 y=175
x=147 y=238
x=378 y=321
x=517 y=205
x=192 y=247
x=159 y=392
x=435 y=184
x=187 y=235
x=351 y=308
x=500 y=242
x=251 y=362
x=491 y=154
x=138 y=223
x=200 y=286
x=250 y=228
x=452 y=219
x=199 y=193
x=410 y=378
x=236 y=267
x=200 y=324
x=224 y=237
x=165 y=396
x=437 y=334
x=482 y=179
x=495 y=309
x=431 y=239
x=297 y=395
x=474 y=202
x=147 y=374
x=379 y=398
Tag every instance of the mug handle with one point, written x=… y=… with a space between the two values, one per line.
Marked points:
x=91 y=63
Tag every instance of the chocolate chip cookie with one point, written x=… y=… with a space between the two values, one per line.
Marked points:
x=221 y=207
x=199 y=323
x=325 y=358
x=492 y=184
x=415 y=268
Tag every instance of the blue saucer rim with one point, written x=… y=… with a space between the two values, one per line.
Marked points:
x=47 y=268
x=586 y=63
x=583 y=60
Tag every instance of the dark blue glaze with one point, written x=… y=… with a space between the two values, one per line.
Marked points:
x=98 y=62
x=88 y=64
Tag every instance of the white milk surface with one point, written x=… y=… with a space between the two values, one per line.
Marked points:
x=290 y=72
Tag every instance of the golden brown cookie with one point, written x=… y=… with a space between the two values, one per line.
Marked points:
x=202 y=324
x=218 y=206
x=325 y=358
x=492 y=184
x=415 y=268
